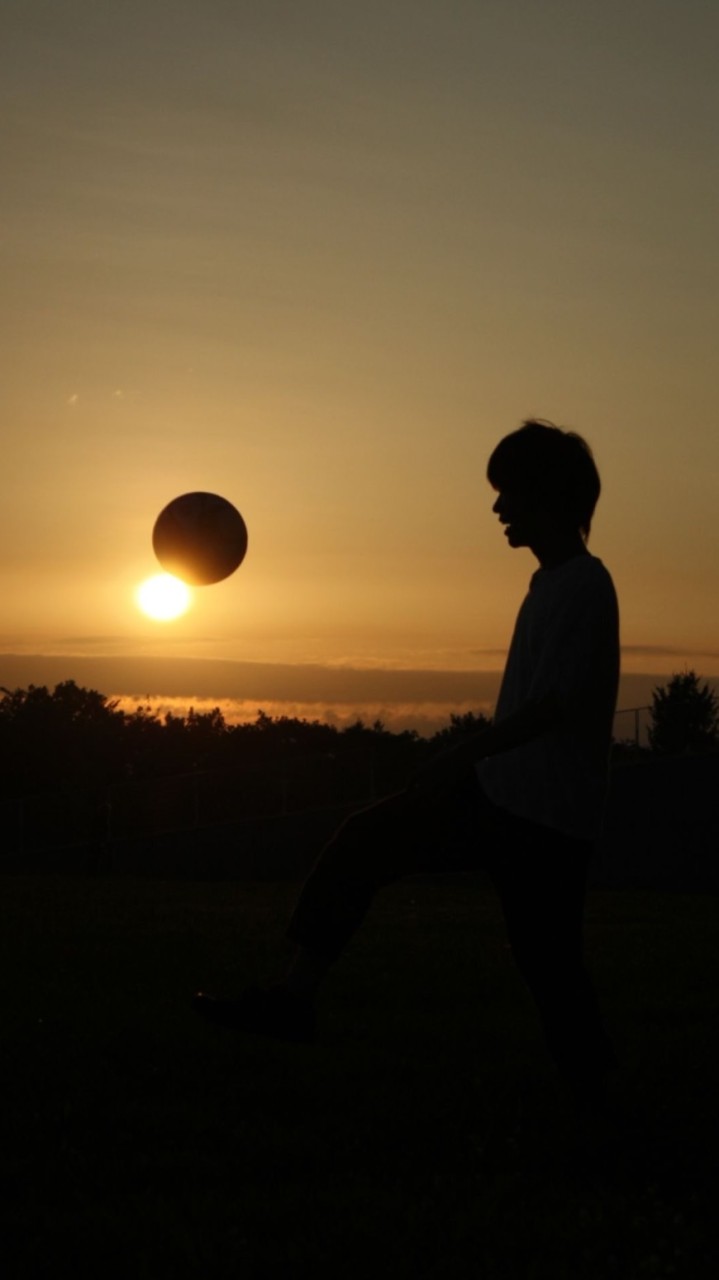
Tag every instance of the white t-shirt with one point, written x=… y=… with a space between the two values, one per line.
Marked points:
x=565 y=643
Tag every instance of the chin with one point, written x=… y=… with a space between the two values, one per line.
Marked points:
x=516 y=539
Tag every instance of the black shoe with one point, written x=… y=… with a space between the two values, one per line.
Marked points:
x=271 y=1011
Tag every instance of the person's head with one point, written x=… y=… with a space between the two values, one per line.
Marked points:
x=548 y=472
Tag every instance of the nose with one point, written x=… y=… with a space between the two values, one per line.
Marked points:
x=497 y=507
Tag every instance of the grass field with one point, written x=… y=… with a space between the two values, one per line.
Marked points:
x=423 y=1136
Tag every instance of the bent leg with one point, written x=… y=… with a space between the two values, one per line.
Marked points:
x=399 y=836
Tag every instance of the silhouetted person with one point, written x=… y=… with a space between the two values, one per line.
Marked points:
x=522 y=799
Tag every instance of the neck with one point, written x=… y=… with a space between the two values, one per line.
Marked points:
x=555 y=548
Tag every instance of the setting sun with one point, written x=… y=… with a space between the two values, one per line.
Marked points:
x=163 y=597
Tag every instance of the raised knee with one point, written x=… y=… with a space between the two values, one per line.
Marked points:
x=350 y=849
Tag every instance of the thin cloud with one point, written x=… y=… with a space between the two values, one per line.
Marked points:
x=664 y=651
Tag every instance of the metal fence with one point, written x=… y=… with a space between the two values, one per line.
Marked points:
x=635 y=730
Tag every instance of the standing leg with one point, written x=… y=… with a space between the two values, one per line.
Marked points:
x=541 y=882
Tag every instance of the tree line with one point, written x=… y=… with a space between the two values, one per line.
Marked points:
x=54 y=739
x=75 y=737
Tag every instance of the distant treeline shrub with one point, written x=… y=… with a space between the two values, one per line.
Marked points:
x=72 y=736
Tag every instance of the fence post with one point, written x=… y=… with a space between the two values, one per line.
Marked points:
x=195 y=798
x=108 y=815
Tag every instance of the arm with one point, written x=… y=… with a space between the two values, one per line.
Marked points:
x=529 y=721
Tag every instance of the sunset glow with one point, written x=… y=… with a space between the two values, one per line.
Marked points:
x=163 y=597
x=319 y=259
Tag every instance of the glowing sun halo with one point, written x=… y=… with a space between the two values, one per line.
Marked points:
x=163 y=597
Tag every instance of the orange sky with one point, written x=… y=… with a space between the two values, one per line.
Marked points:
x=319 y=258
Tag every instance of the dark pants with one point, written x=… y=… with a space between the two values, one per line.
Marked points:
x=539 y=875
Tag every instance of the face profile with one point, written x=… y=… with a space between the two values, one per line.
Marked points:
x=517 y=516
x=530 y=522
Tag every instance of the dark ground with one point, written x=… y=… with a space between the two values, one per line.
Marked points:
x=423 y=1136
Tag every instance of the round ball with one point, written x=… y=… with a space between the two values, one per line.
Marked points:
x=200 y=538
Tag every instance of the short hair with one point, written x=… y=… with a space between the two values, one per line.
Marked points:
x=546 y=462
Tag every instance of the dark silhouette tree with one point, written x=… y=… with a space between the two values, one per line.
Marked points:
x=684 y=717
x=70 y=736
x=71 y=739
x=459 y=727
